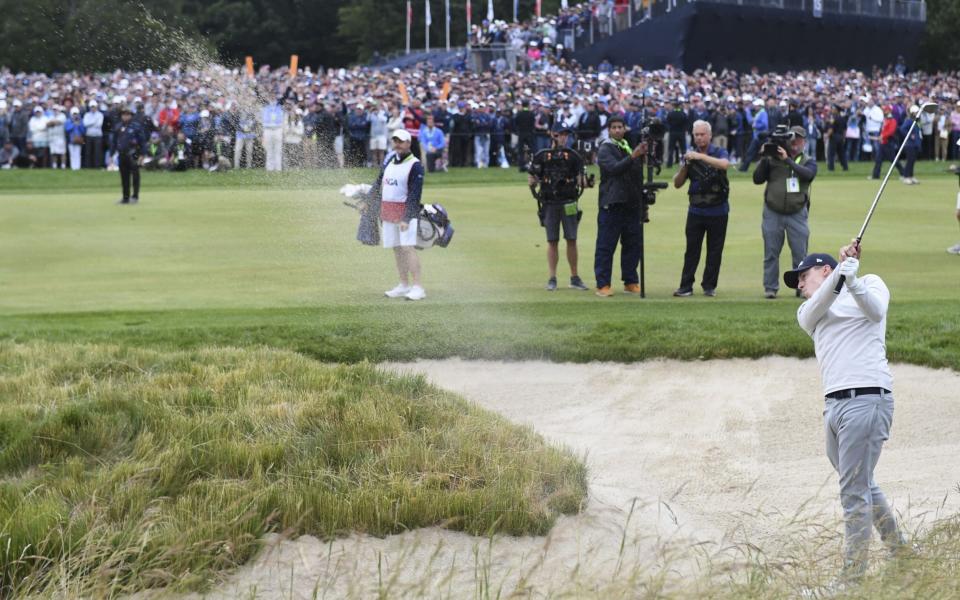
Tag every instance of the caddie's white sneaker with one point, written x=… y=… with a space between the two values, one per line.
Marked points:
x=398 y=292
x=416 y=293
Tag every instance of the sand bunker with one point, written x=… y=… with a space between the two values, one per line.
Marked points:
x=684 y=457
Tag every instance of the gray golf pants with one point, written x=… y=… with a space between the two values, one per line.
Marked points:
x=774 y=226
x=855 y=430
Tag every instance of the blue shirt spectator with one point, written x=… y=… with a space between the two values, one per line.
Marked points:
x=272 y=116
x=761 y=124
x=189 y=122
x=481 y=122
x=432 y=137
x=358 y=125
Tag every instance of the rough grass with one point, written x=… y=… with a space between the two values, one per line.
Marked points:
x=128 y=469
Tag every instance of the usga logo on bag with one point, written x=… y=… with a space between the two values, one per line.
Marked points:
x=391 y=181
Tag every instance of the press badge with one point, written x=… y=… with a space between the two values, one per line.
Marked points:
x=570 y=209
x=793 y=185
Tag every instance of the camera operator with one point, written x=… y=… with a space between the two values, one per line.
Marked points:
x=130 y=140
x=706 y=168
x=788 y=173
x=621 y=209
x=559 y=173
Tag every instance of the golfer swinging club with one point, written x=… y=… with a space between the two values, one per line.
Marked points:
x=849 y=338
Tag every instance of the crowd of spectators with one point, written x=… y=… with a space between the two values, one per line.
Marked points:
x=546 y=43
x=217 y=118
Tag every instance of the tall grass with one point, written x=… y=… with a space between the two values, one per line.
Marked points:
x=127 y=468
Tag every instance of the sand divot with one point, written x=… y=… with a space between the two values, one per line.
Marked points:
x=685 y=459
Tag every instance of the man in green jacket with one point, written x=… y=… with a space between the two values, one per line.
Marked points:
x=786 y=203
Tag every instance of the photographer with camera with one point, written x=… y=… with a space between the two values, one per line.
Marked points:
x=706 y=168
x=621 y=209
x=130 y=141
x=787 y=173
x=557 y=177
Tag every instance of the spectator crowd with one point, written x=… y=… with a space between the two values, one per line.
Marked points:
x=217 y=118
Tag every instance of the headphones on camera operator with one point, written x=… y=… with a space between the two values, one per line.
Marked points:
x=557 y=175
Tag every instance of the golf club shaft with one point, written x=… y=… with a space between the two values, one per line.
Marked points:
x=883 y=184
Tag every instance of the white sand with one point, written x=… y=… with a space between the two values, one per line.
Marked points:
x=717 y=452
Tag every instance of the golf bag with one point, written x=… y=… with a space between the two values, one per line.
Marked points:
x=368 y=231
x=433 y=227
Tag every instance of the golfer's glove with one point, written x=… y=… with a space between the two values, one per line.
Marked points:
x=848 y=268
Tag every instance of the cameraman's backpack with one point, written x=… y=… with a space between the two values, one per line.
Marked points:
x=433 y=227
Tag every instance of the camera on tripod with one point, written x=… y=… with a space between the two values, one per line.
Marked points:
x=780 y=138
x=652 y=135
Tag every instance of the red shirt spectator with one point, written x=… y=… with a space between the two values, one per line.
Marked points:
x=888 y=129
x=169 y=116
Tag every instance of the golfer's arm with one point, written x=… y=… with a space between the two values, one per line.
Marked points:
x=872 y=296
x=814 y=309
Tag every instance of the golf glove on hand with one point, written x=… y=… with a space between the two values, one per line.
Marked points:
x=848 y=269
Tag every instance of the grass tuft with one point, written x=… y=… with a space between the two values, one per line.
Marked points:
x=130 y=469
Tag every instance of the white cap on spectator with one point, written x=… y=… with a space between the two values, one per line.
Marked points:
x=74 y=111
x=401 y=134
x=16 y=102
x=173 y=104
x=783 y=103
x=38 y=109
x=117 y=99
x=758 y=102
x=93 y=104
x=204 y=113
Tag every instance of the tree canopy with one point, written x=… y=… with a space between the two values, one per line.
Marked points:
x=102 y=35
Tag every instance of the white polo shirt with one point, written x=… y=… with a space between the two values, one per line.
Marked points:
x=849 y=333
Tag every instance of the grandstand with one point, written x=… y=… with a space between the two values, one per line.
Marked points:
x=773 y=35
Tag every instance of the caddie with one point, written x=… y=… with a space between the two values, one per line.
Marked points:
x=398 y=189
x=849 y=338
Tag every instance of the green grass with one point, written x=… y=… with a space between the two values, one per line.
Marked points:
x=275 y=263
x=139 y=344
x=135 y=468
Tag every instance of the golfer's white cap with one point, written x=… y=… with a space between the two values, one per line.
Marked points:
x=401 y=134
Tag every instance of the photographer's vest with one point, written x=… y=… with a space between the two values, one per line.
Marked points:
x=712 y=190
x=776 y=196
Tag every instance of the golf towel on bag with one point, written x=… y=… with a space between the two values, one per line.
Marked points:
x=433 y=227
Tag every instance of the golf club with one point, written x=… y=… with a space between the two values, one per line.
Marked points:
x=926 y=107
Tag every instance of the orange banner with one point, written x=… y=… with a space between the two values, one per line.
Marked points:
x=293 y=64
x=445 y=92
x=403 y=93
x=250 y=66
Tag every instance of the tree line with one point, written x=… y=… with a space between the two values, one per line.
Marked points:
x=102 y=35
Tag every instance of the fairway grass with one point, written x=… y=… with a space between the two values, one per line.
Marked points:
x=244 y=258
